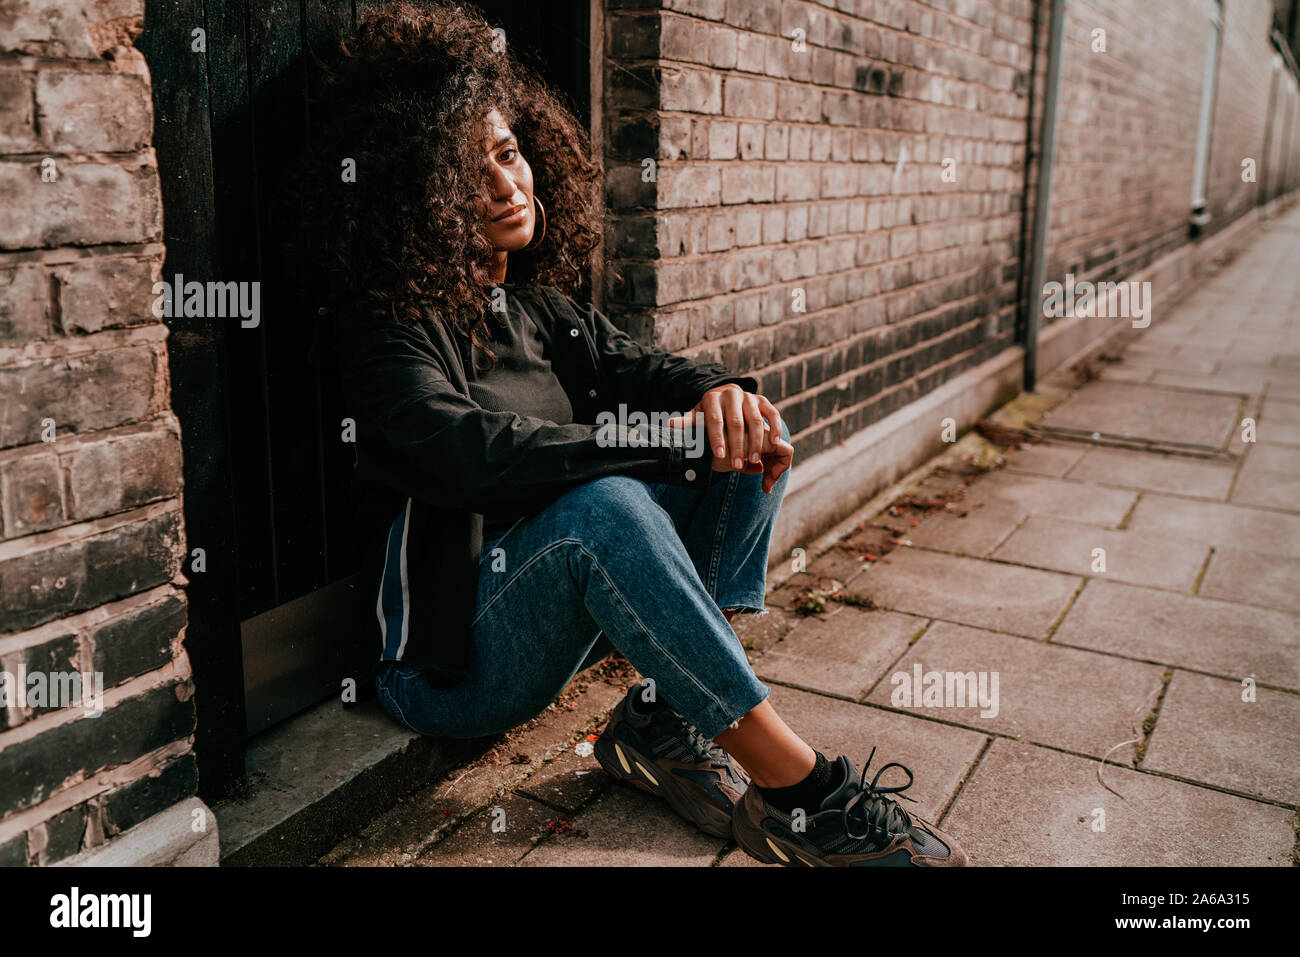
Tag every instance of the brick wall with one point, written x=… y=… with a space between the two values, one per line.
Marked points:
x=814 y=176
x=1127 y=126
x=1284 y=146
x=799 y=226
x=91 y=538
x=1240 y=111
x=1126 y=136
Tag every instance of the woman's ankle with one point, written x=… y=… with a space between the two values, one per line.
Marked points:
x=769 y=751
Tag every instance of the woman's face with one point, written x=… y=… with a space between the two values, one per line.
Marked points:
x=511 y=216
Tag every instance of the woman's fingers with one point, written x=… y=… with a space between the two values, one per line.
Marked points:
x=777 y=464
x=724 y=413
x=744 y=433
x=756 y=429
x=770 y=413
x=781 y=454
x=715 y=425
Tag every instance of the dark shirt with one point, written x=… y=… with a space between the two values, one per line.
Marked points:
x=522 y=382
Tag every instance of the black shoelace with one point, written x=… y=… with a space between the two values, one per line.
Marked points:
x=875 y=810
x=705 y=748
x=708 y=749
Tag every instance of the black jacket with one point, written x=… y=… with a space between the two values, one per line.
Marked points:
x=420 y=438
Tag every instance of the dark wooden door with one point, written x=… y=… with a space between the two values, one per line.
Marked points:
x=265 y=468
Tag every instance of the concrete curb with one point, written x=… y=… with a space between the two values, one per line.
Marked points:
x=184 y=835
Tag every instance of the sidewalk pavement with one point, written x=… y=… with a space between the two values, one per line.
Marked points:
x=1131 y=578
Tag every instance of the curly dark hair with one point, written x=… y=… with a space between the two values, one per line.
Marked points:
x=406 y=97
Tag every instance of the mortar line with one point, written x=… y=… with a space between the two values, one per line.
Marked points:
x=1200 y=575
x=965 y=779
x=1128 y=515
x=1069 y=606
x=916 y=636
x=1152 y=716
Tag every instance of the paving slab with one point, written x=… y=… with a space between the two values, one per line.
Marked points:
x=1038 y=495
x=1266 y=488
x=1155 y=472
x=975 y=530
x=843 y=653
x=1288 y=388
x=1053 y=459
x=1286 y=433
x=759 y=632
x=1024 y=601
x=568 y=782
x=1254 y=579
x=625 y=827
x=1126 y=372
x=1111 y=696
x=497 y=836
x=1151 y=345
x=1165 y=363
x=1139 y=411
x=1260 y=367
x=1274 y=457
x=1190 y=632
x=1281 y=411
x=1168 y=337
x=1159 y=560
x=1231 y=383
x=1220 y=525
x=1027 y=806
x=938 y=755
x=1207 y=733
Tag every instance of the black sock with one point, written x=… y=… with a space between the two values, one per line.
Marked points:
x=808 y=793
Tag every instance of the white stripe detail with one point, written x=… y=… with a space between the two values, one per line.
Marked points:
x=406 y=595
x=406 y=591
x=379 y=601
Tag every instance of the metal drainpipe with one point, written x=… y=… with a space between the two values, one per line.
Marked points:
x=1043 y=194
x=1200 y=217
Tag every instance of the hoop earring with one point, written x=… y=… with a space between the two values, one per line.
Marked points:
x=537 y=240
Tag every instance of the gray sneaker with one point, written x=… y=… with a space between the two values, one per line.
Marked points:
x=857 y=825
x=663 y=754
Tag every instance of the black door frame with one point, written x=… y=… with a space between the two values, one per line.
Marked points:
x=215 y=103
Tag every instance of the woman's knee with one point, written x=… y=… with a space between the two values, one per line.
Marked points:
x=615 y=505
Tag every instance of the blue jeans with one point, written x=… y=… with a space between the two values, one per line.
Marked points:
x=615 y=563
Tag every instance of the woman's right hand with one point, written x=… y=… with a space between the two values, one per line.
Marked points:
x=743 y=430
